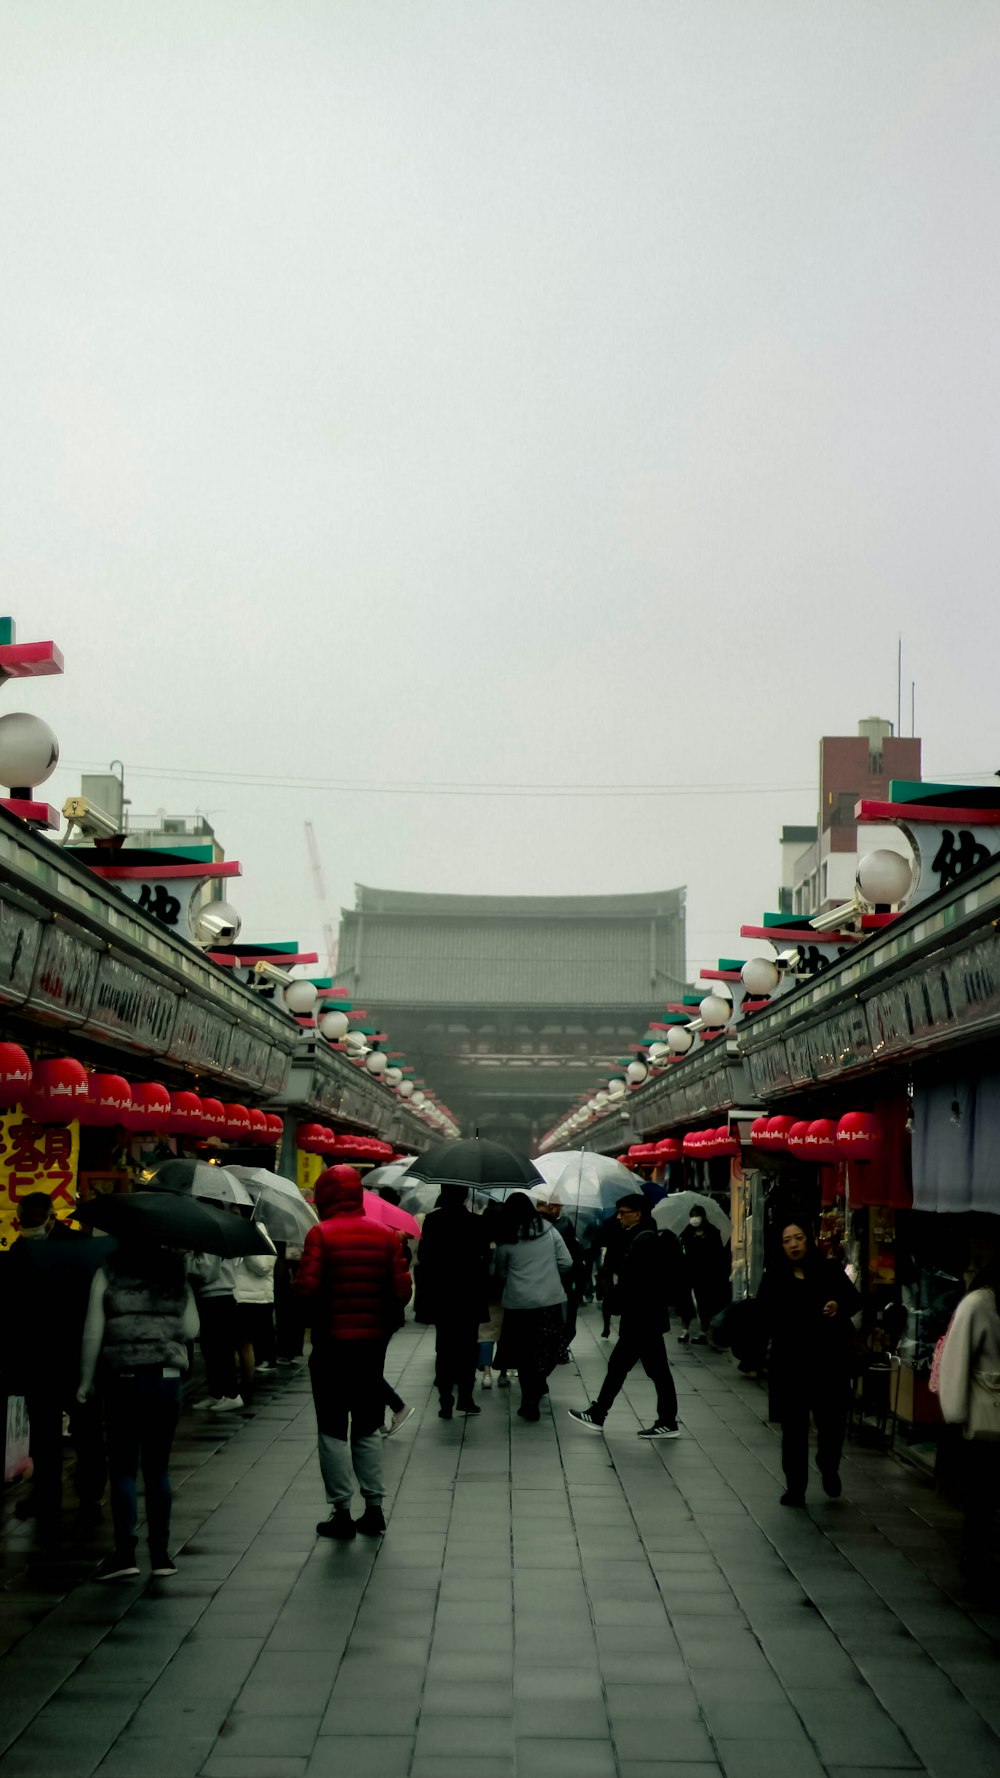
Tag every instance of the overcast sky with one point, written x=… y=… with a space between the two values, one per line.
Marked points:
x=523 y=392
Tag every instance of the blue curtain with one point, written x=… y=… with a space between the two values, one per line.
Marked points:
x=956 y=1144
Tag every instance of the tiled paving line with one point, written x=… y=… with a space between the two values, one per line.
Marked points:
x=84 y=1622
x=919 y=1700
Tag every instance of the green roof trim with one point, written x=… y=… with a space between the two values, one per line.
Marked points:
x=788 y=921
x=692 y=999
x=909 y=790
x=731 y=962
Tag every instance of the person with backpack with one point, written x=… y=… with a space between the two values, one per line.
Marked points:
x=647 y=1282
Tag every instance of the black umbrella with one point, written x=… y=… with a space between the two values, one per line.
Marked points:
x=170 y=1219
x=471 y=1162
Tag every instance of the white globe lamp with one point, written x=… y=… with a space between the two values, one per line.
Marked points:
x=616 y=1089
x=601 y=1100
x=658 y=1054
x=356 y=1043
x=636 y=1073
x=760 y=976
x=884 y=877
x=377 y=1062
x=406 y=1089
x=29 y=751
x=715 y=1012
x=679 y=1039
x=301 y=997
x=418 y=1100
x=393 y=1076
x=333 y=1026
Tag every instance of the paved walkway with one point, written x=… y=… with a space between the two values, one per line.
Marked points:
x=547 y=1602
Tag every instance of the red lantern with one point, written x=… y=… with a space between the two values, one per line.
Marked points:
x=795 y=1141
x=237 y=1124
x=777 y=1133
x=258 y=1125
x=213 y=1117
x=58 y=1090
x=274 y=1128
x=185 y=1114
x=109 y=1097
x=15 y=1075
x=821 y=1141
x=728 y=1143
x=758 y=1132
x=150 y=1112
x=691 y=1144
x=859 y=1136
x=669 y=1149
x=311 y=1138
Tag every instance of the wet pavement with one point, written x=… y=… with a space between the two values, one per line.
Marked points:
x=547 y=1601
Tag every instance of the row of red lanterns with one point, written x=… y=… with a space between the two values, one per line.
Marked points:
x=320 y=1139
x=857 y=1136
x=59 y=1089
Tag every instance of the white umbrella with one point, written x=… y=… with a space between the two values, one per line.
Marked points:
x=580 y=1180
x=278 y=1204
x=672 y=1212
x=219 y=1183
x=393 y=1173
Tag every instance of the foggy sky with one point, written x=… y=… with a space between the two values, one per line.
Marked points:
x=531 y=392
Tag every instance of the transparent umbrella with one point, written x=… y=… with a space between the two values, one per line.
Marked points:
x=278 y=1204
x=672 y=1212
x=580 y=1180
x=202 y=1180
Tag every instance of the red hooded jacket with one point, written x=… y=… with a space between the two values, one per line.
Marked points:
x=356 y=1265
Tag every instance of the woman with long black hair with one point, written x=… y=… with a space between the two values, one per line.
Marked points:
x=531 y=1261
x=806 y=1303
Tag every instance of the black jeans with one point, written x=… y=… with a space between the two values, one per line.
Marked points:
x=45 y=1415
x=827 y=1402
x=218 y=1344
x=141 y=1408
x=643 y=1346
x=348 y=1386
x=456 y=1349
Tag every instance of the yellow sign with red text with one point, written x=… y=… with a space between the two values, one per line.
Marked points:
x=36 y=1158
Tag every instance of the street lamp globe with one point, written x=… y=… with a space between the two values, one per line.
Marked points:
x=679 y=1039
x=333 y=1026
x=377 y=1062
x=715 y=1012
x=301 y=997
x=884 y=877
x=760 y=975
x=406 y=1089
x=29 y=751
x=636 y=1073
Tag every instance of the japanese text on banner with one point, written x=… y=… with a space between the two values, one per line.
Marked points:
x=35 y=1158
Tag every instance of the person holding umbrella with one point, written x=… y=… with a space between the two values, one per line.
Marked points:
x=531 y=1261
x=140 y=1318
x=354 y=1270
x=453 y=1286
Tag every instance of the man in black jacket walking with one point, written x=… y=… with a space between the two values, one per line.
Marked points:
x=647 y=1278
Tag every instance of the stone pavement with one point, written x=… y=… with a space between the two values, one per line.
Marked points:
x=547 y=1602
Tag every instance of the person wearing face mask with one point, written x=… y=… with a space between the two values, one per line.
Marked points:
x=806 y=1303
x=707 y=1267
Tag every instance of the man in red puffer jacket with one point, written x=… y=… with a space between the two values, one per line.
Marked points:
x=356 y=1271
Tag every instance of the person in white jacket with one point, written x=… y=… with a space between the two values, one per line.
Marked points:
x=970 y=1398
x=254 y=1293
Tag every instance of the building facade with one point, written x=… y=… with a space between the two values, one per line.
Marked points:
x=508 y=1003
x=819 y=863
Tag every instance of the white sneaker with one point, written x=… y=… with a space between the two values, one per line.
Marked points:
x=227 y=1404
x=399 y=1419
x=487 y=1380
x=199 y=1407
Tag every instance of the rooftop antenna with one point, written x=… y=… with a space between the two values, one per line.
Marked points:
x=913 y=708
x=899 y=685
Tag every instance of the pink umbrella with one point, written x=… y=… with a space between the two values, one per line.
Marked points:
x=391 y=1216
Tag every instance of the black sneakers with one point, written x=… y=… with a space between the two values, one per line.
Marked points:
x=660 y=1429
x=371 y=1522
x=162 y=1565
x=469 y=1407
x=587 y=1417
x=339 y=1525
x=120 y=1566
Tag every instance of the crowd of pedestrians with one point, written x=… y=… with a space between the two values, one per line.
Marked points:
x=100 y=1336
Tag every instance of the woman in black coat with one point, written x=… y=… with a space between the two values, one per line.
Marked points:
x=807 y=1303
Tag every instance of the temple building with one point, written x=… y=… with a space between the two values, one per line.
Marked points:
x=509 y=1004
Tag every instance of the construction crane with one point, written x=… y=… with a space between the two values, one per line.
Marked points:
x=329 y=936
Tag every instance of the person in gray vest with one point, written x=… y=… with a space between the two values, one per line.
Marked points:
x=140 y=1318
